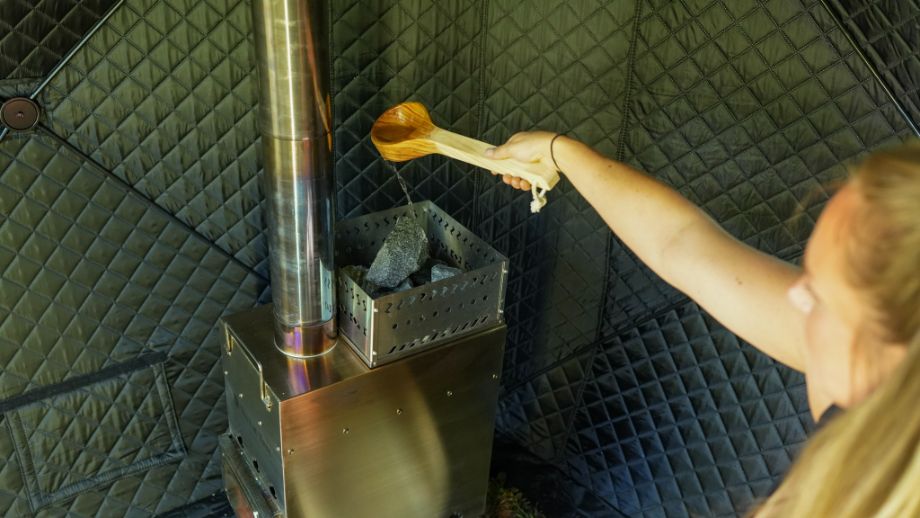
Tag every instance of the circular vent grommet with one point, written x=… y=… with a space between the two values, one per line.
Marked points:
x=19 y=113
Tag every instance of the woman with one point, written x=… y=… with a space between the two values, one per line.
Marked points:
x=849 y=318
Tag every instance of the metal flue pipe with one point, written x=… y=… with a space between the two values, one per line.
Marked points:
x=291 y=39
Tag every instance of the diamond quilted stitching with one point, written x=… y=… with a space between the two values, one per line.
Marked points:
x=114 y=425
x=387 y=54
x=538 y=76
x=634 y=291
x=100 y=275
x=749 y=113
x=36 y=35
x=537 y=414
x=696 y=127
x=164 y=97
x=887 y=31
x=679 y=417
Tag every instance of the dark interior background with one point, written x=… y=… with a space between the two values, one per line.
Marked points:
x=131 y=221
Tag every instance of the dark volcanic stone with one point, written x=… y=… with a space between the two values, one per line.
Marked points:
x=403 y=253
x=439 y=272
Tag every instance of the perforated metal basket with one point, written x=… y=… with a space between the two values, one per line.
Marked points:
x=399 y=324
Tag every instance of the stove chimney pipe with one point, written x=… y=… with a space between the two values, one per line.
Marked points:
x=291 y=39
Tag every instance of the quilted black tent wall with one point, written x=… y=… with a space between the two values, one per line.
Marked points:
x=131 y=220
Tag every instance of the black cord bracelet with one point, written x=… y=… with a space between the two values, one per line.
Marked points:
x=553 y=155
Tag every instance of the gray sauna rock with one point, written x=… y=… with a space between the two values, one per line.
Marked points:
x=403 y=253
x=405 y=285
x=439 y=272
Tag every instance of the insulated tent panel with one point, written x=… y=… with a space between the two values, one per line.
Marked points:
x=131 y=221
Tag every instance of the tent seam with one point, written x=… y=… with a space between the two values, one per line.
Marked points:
x=620 y=153
x=99 y=168
x=873 y=71
x=480 y=105
x=76 y=48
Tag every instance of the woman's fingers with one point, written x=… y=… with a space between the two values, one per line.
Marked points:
x=520 y=183
x=517 y=183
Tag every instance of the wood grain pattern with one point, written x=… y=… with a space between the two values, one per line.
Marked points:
x=406 y=131
x=401 y=133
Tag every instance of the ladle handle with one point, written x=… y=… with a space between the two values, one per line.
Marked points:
x=472 y=151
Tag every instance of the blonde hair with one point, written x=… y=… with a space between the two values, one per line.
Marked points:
x=866 y=462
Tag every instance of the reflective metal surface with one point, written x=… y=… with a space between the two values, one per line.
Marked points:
x=400 y=324
x=284 y=376
x=253 y=409
x=292 y=47
x=291 y=38
x=410 y=438
x=246 y=495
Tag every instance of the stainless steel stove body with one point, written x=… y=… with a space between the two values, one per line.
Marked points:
x=330 y=437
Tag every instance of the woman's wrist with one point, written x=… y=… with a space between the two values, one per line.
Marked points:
x=552 y=154
x=562 y=150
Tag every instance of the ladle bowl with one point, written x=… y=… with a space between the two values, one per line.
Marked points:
x=406 y=131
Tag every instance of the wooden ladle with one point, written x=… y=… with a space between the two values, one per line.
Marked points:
x=406 y=131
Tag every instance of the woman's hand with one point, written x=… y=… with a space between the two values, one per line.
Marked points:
x=528 y=146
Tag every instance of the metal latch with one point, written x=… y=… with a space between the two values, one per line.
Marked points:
x=264 y=394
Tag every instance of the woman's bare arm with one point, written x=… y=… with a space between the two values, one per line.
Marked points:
x=741 y=287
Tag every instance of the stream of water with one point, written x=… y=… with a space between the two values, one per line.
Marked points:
x=400 y=179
